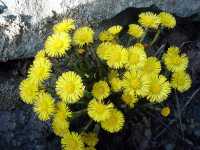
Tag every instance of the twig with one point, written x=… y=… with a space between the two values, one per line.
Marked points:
x=190 y=100
x=160 y=50
x=179 y=113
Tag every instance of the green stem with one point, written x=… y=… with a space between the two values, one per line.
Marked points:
x=143 y=36
x=78 y=113
x=87 y=126
x=155 y=37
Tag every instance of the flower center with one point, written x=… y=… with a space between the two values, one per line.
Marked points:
x=156 y=89
x=134 y=59
x=70 y=88
x=135 y=84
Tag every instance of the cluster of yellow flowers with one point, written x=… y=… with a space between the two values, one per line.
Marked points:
x=130 y=72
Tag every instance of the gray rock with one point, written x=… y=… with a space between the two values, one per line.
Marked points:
x=24 y=24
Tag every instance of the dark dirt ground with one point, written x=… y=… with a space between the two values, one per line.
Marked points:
x=145 y=128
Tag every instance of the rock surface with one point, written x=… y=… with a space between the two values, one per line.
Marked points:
x=24 y=24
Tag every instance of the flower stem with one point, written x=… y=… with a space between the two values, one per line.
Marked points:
x=155 y=37
x=78 y=113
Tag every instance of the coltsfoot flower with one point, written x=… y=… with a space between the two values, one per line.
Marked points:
x=134 y=82
x=28 y=91
x=44 y=106
x=149 y=20
x=64 y=26
x=181 y=81
x=159 y=89
x=100 y=90
x=115 y=122
x=99 y=111
x=167 y=20
x=135 y=30
x=69 y=87
x=83 y=36
x=57 y=44
x=72 y=141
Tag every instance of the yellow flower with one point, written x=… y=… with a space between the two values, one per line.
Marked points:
x=134 y=82
x=106 y=36
x=72 y=141
x=40 y=54
x=136 y=57
x=63 y=110
x=149 y=20
x=129 y=99
x=40 y=70
x=117 y=57
x=115 y=122
x=101 y=90
x=90 y=139
x=99 y=111
x=151 y=66
x=103 y=49
x=181 y=81
x=165 y=111
x=116 y=84
x=175 y=62
x=64 y=26
x=167 y=20
x=69 y=87
x=115 y=29
x=28 y=91
x=83 y=36
x=60 y=125
x=135 y=30
x=57 y=44
x=159 y=89
x=44 y=106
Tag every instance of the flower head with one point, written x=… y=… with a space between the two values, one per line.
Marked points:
x=181 y=81
x=115 y=122
x=103 y=49
x=106 y=36
x=28 y=91
x=69 y=87
x=136 y=57
x=129 y=99
x=83 y=36
x=167 y=20
x=90 y=139
x=101 y=90
x=63 y=110
x=175 y=62
x=165 y=111
x=151 y=66
x=99 y=111
x=40 y=53
x=44 y=106
x=117 y=57
x=64 y=26
x=57 y=44
x=135 y=30
x=72 y=141
x=134 y=82
x=159 y=89
x=60 y=125
x=115 y=29
x=149 y=20
x=40 y=70
x=116 y=84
